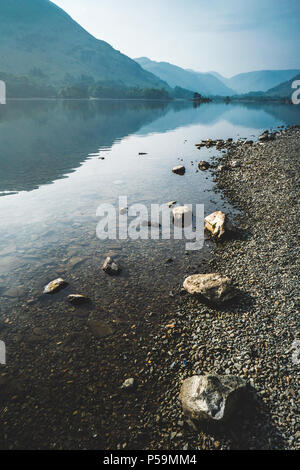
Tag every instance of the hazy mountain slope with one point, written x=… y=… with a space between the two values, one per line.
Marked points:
x=261 y=80
x=37 y=37
x=284 y=90
x=203 y=83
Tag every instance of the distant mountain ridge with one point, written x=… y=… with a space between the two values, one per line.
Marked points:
x=203 y=83
x=262 y=80
x=284 y=90
x=37 y=37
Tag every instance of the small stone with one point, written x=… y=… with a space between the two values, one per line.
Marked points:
x=179 y=170
x=203 y=166
x=77 y=299
x=128 y=384
x=123 y=210
x=110 y=267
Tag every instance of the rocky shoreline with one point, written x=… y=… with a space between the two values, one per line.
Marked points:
x=251 y=337
x=120 y=389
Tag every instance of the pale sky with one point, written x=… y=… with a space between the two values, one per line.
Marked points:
x=227 y=36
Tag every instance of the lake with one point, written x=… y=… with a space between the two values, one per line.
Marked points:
x=61 y=160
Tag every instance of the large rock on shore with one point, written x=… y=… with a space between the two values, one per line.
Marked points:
x=216 y=224
x=210 y=397
x=213 y=287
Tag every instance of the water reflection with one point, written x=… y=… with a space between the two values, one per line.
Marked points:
x=42 y=141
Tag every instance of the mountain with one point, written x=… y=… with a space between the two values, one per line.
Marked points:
x=284 y=90
x=39 y=39
x=262 y=80
x=204 y=83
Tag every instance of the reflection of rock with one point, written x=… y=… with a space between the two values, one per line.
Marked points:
x=179 y=170
x=110 y=267
x=77 y=299
x=213 y=287
x=100 y=329
x=216 y=224
x=211 y=397
x=55 y=286
x=182 y=216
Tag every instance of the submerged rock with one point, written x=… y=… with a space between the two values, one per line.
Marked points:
x=216 y=224
x=213 y=287
x=179 y=170
x=55 y=286
x=100 y=329
x=182 y=216
x=211 y=397
x=110 y=267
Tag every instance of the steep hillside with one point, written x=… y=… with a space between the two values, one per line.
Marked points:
x=39 y=39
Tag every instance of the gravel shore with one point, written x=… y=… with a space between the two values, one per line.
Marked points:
x=71 y=396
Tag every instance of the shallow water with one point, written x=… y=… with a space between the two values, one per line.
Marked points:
x=52 y=180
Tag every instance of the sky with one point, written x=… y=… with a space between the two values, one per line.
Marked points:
x=226 y=36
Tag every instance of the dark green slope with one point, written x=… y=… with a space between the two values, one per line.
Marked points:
x=38 y=38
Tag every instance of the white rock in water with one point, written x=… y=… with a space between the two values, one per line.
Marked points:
x=55 y=286
x=110 y=267
x=129 y=383
x=216 y=224
x=213 y=287
x=179 y=170
x=210 y=397
x=171 y=204
x=182 y=216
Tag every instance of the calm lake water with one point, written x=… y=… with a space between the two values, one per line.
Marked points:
x=53 y=179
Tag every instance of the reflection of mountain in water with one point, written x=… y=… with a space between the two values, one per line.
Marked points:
x=42 y=141
x=253 y=116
